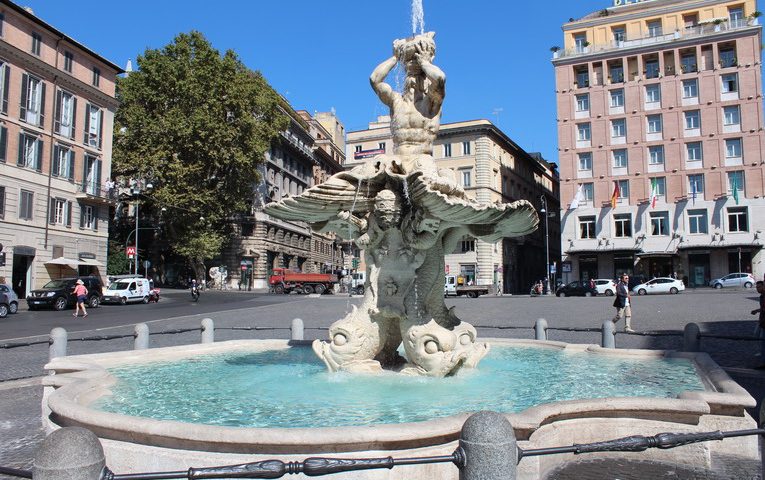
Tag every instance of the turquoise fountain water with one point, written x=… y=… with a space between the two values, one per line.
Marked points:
x=291 y=388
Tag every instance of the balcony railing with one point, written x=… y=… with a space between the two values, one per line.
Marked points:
x=95 y=190
x=686 y=33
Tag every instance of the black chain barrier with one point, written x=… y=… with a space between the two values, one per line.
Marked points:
x=23 y=344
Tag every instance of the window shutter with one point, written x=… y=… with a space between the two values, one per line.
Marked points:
x=57 y=110
x=82 y=215
x=20 y=161
x=100 y=126
x=87 y=124
x=70 y=167
x=42 y=104
x=95 y=218
x=24 y=86
x=84 y=173
x=3 y=144
x=7 y=77
x=74 y=117
x=55 y=161
x=39 y=144
x=68 y=214
x=52 y=216
x=97 y=166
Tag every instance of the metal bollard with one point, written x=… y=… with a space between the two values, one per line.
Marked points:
x=488 y=444
x=296 y=329
x=762 y=444
x=58 y=338
x=608 y=335
x=691 y=339
x=540 y=328
x=208 y=330
x=71 y=453
x=141 y=332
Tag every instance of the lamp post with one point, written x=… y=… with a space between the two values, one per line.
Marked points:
x=135 y=190
x=543 y=211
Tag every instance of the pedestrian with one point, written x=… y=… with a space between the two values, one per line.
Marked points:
x=622 y=303
x=82 y=295
x=761 y=321
x=499 y=287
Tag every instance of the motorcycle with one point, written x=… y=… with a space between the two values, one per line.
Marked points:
x=154 y=295
x=195 y=293
x=536 y=290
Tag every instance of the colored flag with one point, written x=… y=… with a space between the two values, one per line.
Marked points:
x=578 y=197
x=734 y=187
x=654 y=192
x=615 y=195
x=693 y=192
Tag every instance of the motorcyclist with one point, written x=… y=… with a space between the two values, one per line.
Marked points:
x=194 y=290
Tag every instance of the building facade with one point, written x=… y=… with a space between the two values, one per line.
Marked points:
x=660 y=133
x=491 y=168
x=306 y=153
x=56 y=121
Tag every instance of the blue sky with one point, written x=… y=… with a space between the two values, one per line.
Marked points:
x=319 y=54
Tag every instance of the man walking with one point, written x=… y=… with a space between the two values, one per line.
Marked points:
x=622 y=303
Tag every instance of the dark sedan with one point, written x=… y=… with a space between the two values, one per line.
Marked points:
x=576 y=289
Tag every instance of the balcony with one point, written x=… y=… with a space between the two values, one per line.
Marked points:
x=93 y=192
x=687 y=33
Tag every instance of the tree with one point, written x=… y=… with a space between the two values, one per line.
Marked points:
x=117 y=262
x=196 y=124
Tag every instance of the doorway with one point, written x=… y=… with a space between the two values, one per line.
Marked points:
x=22 y=274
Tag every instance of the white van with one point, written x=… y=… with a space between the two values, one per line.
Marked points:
x=128 y=290
x=358 y=280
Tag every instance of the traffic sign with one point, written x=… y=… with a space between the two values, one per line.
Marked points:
x=130 y=251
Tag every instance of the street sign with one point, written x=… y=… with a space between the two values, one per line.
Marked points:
x=552 y=268
x=146 y=264
x=565 y=267
x=130 y=251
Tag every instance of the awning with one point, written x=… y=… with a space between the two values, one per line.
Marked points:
x=67 y=262
x=657 y=254
x=90 y=261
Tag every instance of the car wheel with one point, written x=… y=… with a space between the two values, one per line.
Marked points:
x=123 y=301
x=360 y=290
x=319 y=289
x=31 y=308
x=279 y=289
x=13 y=307
x=748 y=285
x=471 y=295
x=718 y=285
x=307 y=289
x=3 y=310
x=609 y=293
x=145 y=299
x=60 y=303
x=587 y=294
x=642 y=291
x=562 y=294
x=94 y=302
x=673 y=290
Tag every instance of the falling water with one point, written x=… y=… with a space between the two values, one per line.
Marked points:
x=405 y=186
x=418 y=18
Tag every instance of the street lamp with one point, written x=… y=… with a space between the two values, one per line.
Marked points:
x=135 y=190
x=543 y=211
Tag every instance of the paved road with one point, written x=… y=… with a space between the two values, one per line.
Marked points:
x=721 y=312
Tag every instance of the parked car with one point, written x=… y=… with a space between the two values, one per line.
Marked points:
x=13 y=299
x=659 y=285
x=128 y=290
x=4 y=305
x=605 y=286
x=734 y=280
x=59 y=293
x=576 y=289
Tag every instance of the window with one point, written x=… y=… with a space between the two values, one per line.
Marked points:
x=736 y=16
x=32 y=100
x=3 y=144
x=36 y=43
x=30 y=151
x=698 y=223
x=735 y=181
x=585 y=161
x=587 y=227
x=66 y=106
x=447 y=149
x=93 y=124
x=618 y=128
x=620 y=158
x=617 y=98
x=91 y=181
x=656 y=155
x=580 y=40
x=582 y=102
x=466 y=148
x=624 y=189
x=381 y=146
x=466 y=178
x=729 y=83
x=583 y=132
x=26 y=205
x=2 y=202
x=693 y=152
x=89 y=219
x=623 y=225
x=738 y=219
x=688 y=63
x=732 y=148
x=696 y=184
x=691 y=88
x=652 y=93
x=652 y=69
x=616 y=73
x=68 y=61
x=659 y=223
x=357 y=150
x=692 y=120
x=2 y=23
x=96 y=76
x=467 y=246
x=654 y=28
x=654 y=123
x=619 y=34
x=727 y=57
x=5 y=76
x=583 y=78
x=661 y=186
x=63 y=162
x=60 y=212
x=588 y=192
x=731 y=115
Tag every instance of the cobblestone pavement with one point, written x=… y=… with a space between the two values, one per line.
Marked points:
x=717 y=312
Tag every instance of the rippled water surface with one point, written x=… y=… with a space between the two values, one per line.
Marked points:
x=291 y=388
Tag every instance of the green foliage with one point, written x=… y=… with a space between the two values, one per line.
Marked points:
x=197 y=125
x=117 y=262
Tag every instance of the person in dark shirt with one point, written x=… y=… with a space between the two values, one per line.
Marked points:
x=622 y=303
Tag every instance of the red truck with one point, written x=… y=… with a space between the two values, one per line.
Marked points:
x=285 y=281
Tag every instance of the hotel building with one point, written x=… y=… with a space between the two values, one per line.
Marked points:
x=660 y=107
x=491 y=168
x=57 y=108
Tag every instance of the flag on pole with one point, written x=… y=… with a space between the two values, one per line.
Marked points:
x=734 y=187
x=693 y=192
x=578 y=197
x=615 y=195
x=654 y=192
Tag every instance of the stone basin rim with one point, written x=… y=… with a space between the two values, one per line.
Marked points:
x=81 y=379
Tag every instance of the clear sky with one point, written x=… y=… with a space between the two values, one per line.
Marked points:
x=319 y=54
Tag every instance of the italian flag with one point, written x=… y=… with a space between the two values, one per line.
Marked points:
x=654 y=192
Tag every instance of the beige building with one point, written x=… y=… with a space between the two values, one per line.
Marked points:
x=660 y=107
x=56 y=120
x=491 y=168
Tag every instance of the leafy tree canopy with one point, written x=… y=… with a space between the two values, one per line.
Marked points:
x=197 y=125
